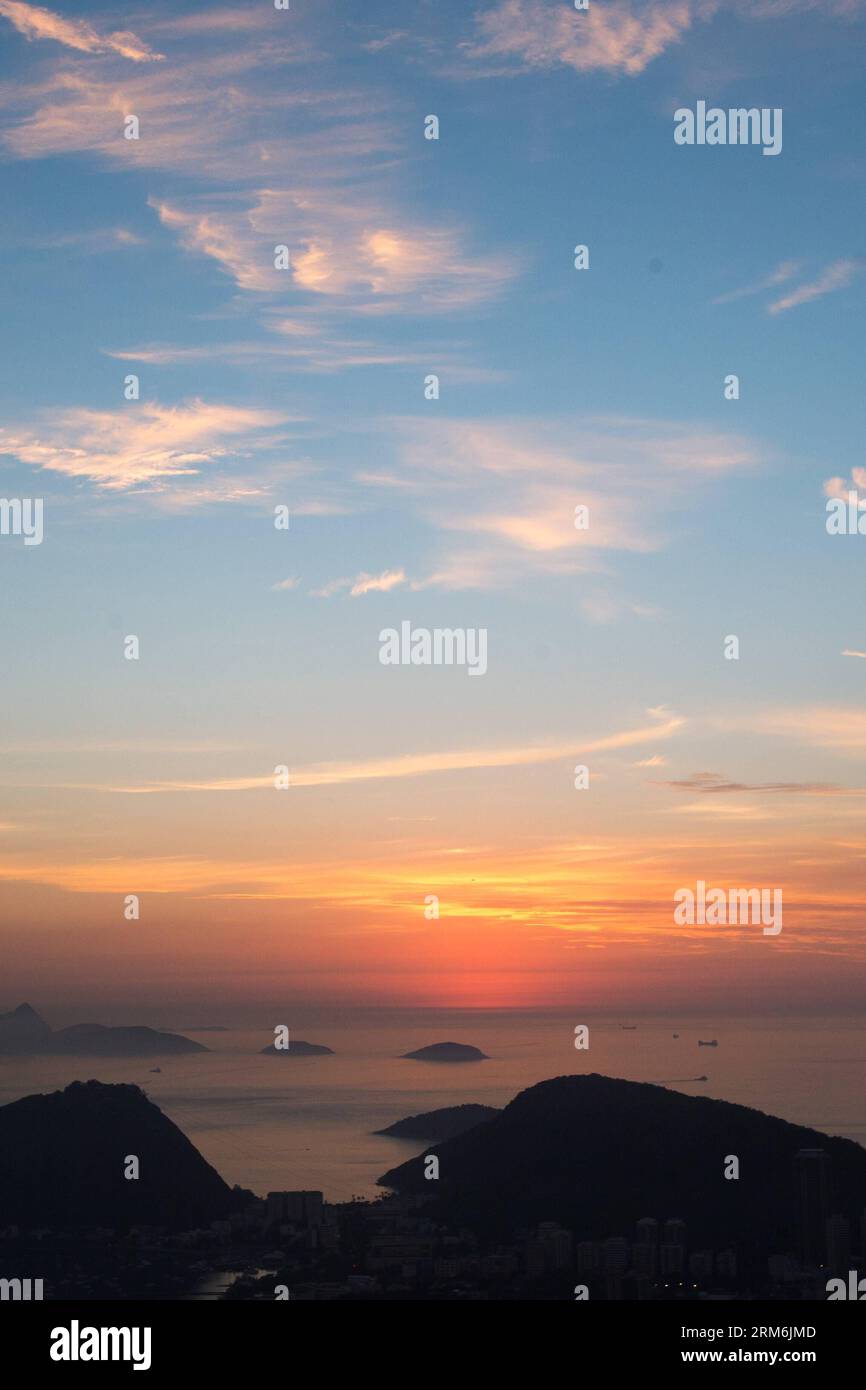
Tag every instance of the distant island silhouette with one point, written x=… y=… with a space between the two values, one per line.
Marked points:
x=298 y=1048
x=446 y=1052
x=23 y=1032
x=597 y=1153
x=440 y=1124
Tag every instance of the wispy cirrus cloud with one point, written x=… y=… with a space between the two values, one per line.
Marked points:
x=377 y=583
x=615 y=37
x=778 y=9
x=211 y=115
x=363 y=252
x=448 y=470
x=94 y=241
x=836 y=277
x=231 y=19
x=35 y=22
x=214 y=113
x=416 y=764
x=714 y=784
x=143 y=444
x=364 y=584
x=835 y=727
x=322 y=351
x=785 y=271
x=314 y=339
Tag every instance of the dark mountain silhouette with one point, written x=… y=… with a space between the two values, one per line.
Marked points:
x=597 y=1154
x=297 y=1048
x=62 y=1160
x=23 y=1032
x=446 y=1052
x=440 y=1124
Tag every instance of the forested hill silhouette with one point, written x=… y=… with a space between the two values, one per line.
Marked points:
x=597 y=1153
x=62 y=1160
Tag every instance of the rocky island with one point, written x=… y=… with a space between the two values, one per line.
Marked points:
x=446 y=1052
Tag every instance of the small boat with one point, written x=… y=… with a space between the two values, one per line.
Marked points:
x=153 y=1069
x=629 y=1027
x=711 y=1043
x=676 y=1035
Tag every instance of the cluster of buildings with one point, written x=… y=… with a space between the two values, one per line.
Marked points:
x=391 y=1248
x=394 y=1250
x=656 y=1264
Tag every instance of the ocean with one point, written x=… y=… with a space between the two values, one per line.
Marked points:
x=273 y=1123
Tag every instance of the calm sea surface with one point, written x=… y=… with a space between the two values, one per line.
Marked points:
x=281 y=1123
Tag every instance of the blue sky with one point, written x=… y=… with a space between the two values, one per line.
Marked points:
x=305 y=387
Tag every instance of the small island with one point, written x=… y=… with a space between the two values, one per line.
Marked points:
x=96 y=1040
x=446 y=1052
x=440 y=1124
x=298 y=1048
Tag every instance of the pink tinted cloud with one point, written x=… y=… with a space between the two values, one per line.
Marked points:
x=34 y=22
x=122 y=449
x=609 y=37
x=367 y=254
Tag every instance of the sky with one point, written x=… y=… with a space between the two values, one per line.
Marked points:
x=303 y=387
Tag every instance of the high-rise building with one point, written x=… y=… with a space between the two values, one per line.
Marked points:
x=647 y=1231
x=812 y=1168
x=644 y=1259
x=701 y=1264
x=674 y=1231
x=614 y=1254
x=646 y=1246
x=549 y=1249
x=838 y=1231
x=588 y=1257
x=302 y=1209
